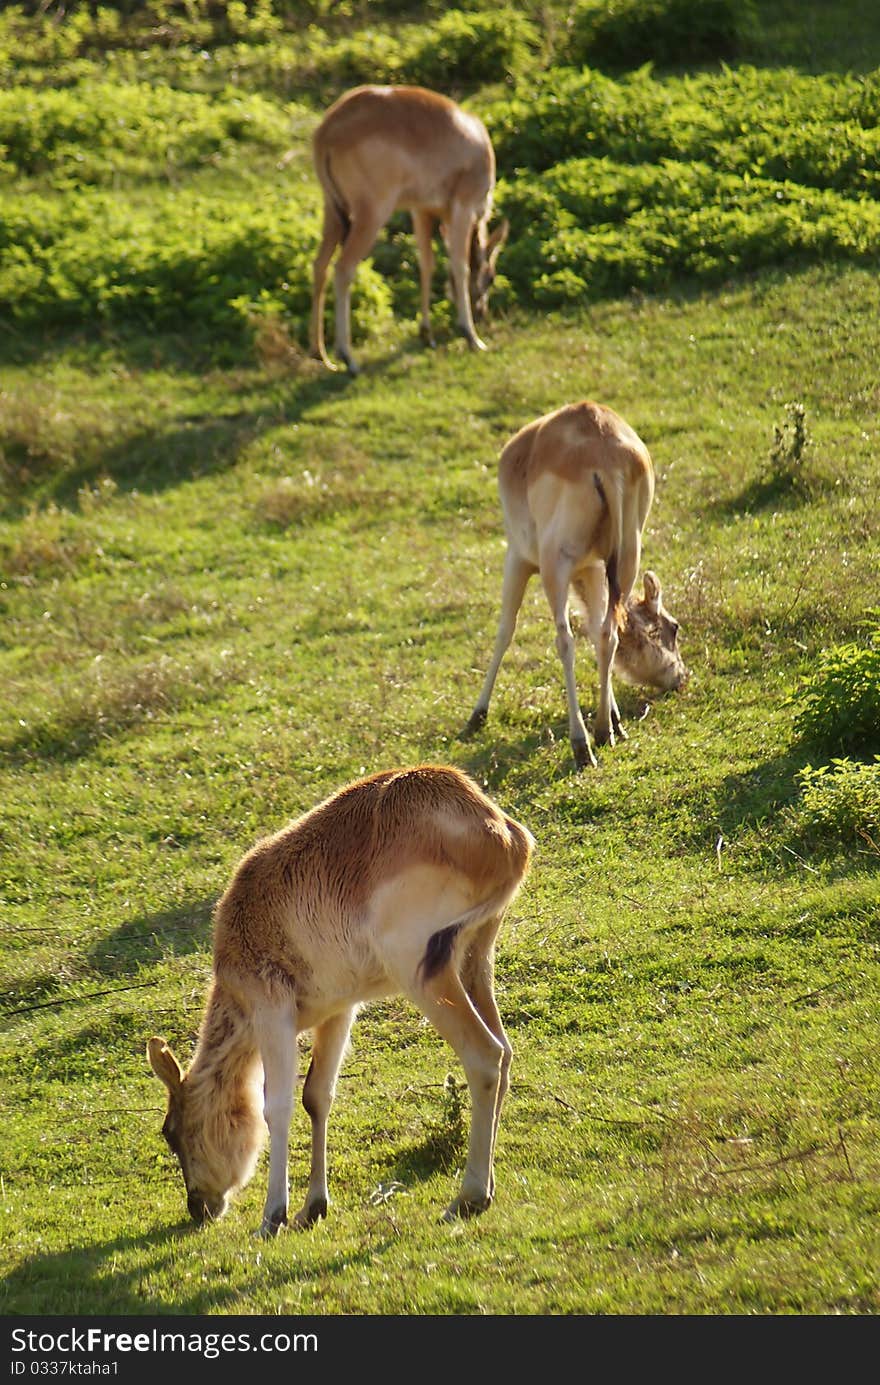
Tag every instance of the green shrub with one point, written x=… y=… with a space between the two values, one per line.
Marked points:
x=472 y=49
x=81 y=28
x=94 y=132
x=612 y=185
x=458 y=50
x=609 y=185
x=371 y=55
x=620 y=34
x=839 y=801
x=172 y=264
x=821 y=131
x=837 y=707
x=592 y=227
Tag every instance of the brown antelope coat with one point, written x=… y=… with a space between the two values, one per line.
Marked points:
x=380 y=149
x=576 y=487
x=396 y=884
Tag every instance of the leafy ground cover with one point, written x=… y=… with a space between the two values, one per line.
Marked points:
x=612 y=182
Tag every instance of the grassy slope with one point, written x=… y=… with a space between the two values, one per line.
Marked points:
x=295 y=579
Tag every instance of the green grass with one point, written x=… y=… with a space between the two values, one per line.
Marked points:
x=226 y=589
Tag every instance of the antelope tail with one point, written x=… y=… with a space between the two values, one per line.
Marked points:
x=337 y=224
x=614 y=505
x=335 y=196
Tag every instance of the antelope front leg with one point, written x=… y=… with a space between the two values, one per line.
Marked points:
x=592 y=588
x=516 y=575
x=423 y=226
x=460 y=229
x=328 y=1049
x=616 y=724
x=556 y=575
x=276 y=1037
x=607 y=713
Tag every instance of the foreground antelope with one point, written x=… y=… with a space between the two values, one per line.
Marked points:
x=396 y=884
x=382 y=149
x=576 y=487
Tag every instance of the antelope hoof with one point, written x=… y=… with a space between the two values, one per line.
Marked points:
x=604 y=734
x=473 y=340
x=274 y=1224
x=461 y=1208
x=476 y=723
x=583 y=755
x=325 y=360
x=310 y=1214
x=427 y=336
x=349 y=362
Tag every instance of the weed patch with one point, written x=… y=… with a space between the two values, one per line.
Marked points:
x=113 y=700
x=837 y=706
x=839 y=803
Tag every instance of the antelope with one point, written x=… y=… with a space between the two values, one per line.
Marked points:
x=576 y=487
x=394 y=885
x=380 y=149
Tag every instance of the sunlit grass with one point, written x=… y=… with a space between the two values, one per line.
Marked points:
x=227 y=589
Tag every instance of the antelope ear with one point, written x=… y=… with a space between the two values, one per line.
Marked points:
x=652 y=591
x=496 y=240
x=164 y=1064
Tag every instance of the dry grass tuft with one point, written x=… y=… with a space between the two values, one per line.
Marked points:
x=293 y=500
x=46 y=540
x=41 y=432
x=276 y=350
x=116 y=697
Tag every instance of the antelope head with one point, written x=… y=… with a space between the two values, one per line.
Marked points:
x=648 y=650
x=484 y=257
x=214 y=1157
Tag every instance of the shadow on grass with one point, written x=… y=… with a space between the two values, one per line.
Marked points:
x=66 y=1281
x=69 y=739
x=782 y=492
x=35 y=992
x=121 y=955
x=152 y=459
x=97 y=1278
x=153 y=938
x=113 y=1276
x=747 y=800
x=755 y=801
x=443 y=1146
x=140 y=348
x=439 y=1152
x=492 y=751
x=490 y=754
x=62 y=743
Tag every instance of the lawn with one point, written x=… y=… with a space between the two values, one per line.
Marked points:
x=231 y=582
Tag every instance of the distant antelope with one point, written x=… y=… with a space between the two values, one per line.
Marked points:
x=396 y=884
x=382 y=149
x=576 y=487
